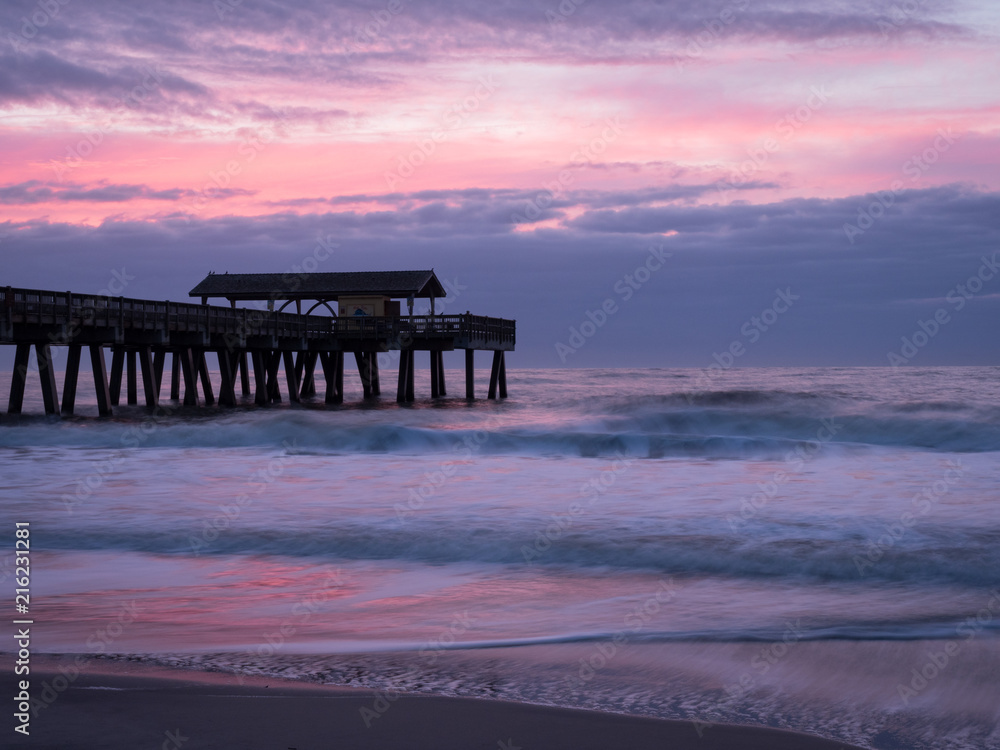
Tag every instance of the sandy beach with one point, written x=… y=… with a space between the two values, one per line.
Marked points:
x=126 y=705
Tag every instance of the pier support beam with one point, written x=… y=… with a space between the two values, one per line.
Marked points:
x=150 y=384
x=333 y=373
x=309 y=376
x=206 y=381
x=70 y=381
x=159 y=357
x=133 y=391
x=47 y=374
x=435 y=375
x=373 y=369
x=498 y=376
x=368 y=372
x=100 y=380
x=18 y=379
x=117 y=365
x=190 y=370
x=470 y=374
x=175 y=375
x=404 y=388
x=442 y=391
x=291 y=376
x=228 y=362
x=273 y=390
x=260 y=377
x=503 y=375
x=244 y=374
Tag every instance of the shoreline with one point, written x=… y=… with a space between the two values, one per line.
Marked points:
x=117 y=703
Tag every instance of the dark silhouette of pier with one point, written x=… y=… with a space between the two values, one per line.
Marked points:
x=252 y=347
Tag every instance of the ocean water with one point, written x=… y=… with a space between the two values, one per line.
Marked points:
x=816 y=549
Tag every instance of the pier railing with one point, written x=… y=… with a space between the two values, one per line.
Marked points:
x=404 y=328
x=33 y=307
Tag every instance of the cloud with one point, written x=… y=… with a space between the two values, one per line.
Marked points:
x=726 y=263
x=40 y=77
x=35 y=191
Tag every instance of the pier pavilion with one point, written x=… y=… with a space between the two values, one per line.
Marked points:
x=252 y=345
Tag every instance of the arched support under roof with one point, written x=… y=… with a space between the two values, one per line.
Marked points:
x=324 y=303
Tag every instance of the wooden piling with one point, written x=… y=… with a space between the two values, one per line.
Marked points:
x=373 y=369
x=291 y=376
x=47 y=374
x=333 y=373
x=409 y=375
x=470 y=374
x=435 y=378
x=150 y=383
x=503 y=374
x=364 y=370
x=273 y=389
x=190 y=370
x=117 y=365
x=100 y=380
x=244 y=375
x=175 y=375
x=228 y=361
x=206 y=381
x=260 y=378
x=495 y=375
x=404 y=387
x=133 y=391
x=70 y=381
x=19 y=378
x=159 y=357
x=309 y=377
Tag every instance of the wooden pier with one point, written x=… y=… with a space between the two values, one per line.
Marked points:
x=252 y=347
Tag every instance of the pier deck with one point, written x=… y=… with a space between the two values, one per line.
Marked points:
x=145 y=331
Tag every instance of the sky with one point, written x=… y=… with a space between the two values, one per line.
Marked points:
x=637 y=183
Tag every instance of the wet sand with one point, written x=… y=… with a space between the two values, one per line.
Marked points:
x=130 y=705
